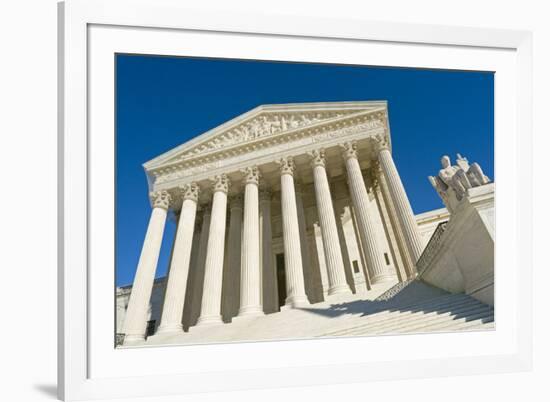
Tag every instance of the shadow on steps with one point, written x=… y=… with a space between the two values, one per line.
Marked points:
x=414 y=297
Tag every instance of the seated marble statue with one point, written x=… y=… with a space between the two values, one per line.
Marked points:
x=459 y=178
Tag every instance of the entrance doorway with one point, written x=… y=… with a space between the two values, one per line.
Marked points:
x=281 y=279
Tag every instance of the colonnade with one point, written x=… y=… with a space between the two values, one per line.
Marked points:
x=253 y=260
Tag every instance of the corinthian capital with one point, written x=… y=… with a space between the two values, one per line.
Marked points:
x=160 y=199
x=381 y=142
x=251 y=175
x=349 y=150
x=190 y=191
x=220 y=183
x=287 y=165
x=317 y=157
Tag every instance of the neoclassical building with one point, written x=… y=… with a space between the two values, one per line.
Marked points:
x=282 y=207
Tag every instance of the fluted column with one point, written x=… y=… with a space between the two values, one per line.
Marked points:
x=270 y=294
x=400 y=200
x=359 y=196
x=135 y=323
x=201 y=261
x=394 y=225
x=296 y=295
x=191 y=287
x=329 y=230
x=302 y=227
x=174 y=297
x=251 y=302
x=213 y=270
x=232 y=275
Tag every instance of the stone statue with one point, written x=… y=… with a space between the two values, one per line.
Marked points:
x=453 y=181
x=473 y=172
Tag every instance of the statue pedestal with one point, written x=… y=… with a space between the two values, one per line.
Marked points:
x=463 y=259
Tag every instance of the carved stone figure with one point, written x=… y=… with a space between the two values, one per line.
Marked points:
x=453 y=181
x=454 y=177
x=275 y=125
x=261 y=126
x=473 y=172
x=293 y=123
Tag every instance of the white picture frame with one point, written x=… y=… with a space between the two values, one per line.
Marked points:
x=80 y=377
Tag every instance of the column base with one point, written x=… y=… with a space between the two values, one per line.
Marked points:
x=383 y=278
x=133 y=339
x=339 y=290
x=250 y=311
x=295 y=302
x=209 y=320
x=169 y=329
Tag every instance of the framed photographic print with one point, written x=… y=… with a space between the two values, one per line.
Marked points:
x=260 y=201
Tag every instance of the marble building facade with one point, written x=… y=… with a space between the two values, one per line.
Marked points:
x=282 y=207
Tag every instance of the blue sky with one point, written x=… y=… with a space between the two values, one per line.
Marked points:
x=162 y=102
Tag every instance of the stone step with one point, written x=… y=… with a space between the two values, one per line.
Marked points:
x=481 y=319
x=427 y=303
x=445 y=327
x=410 y=292
x=399 y=315
x=455 y=312
x=399 y=318
x=353 y=316
x=474 y=325
x=397 y=309
x=466 y=322
x=396 y=302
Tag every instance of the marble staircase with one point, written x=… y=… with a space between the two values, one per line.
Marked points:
x=387 y=309
x=444 y=313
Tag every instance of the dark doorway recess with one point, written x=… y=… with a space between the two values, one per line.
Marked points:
x=281 y=279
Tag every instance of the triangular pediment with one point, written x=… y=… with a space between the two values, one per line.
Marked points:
x=262 y=122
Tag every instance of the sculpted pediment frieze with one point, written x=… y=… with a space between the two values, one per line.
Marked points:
x=264 y=125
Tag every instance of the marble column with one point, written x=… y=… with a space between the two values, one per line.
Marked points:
x=294 y=275
x=172 y=312
x=232 y=274
x=306 y=262
x=201 y=260
x=135 y=323
x=270 y=294
x=251 y=277
x=191 y=287
x=400 y=200
x=329 y=230
x=213 y=269
x=399 y=244
x=361 y=249
x=359 y=196
x=321 y=261
x=317 y=281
